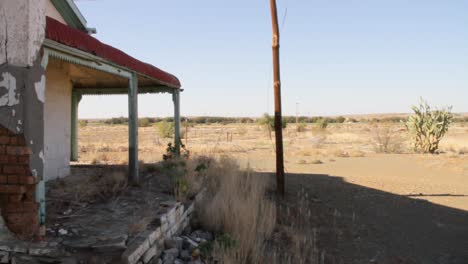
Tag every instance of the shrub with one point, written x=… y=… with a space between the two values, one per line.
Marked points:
x=166 y=129
x=340 y=119
x=428 y=126
x=268 y=122
x=322 y=123
x=83 y=123
x=116 y=121
x=301 y=127
x=144 y=122
x=386 y=140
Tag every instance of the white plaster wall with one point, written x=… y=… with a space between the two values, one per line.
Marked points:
x=52 y=12
x=22 y=31
x=57 y=124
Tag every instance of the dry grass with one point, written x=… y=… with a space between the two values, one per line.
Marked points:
x=236 y=204
x=387 y=139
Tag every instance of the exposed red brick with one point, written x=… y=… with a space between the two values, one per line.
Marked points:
x=27 y=180
x=20 y=207
x=15 y=198
x=17 y=150
x=4 y=140
x=24 y=159
x=30 y=191
x=14 y=169
x=13 y=140
x=13 y=179
x=11 y=189
x=21 y=141
x=17 y=186
x=3 y=179
x=4 y=159
x=12 y=160
x=23 y=224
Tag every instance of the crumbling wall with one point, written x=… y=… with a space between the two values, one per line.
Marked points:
x=17 y=185
x=22 y=97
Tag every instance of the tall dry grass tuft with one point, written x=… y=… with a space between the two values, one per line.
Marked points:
x=236 y=203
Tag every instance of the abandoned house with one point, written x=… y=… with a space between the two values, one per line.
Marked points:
x=49 y=60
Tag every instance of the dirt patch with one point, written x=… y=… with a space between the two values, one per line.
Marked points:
x=357 y=224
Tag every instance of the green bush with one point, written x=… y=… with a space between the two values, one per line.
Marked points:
x=144 y=122
x=83 y=123
x=166 y=129
x=322 y=123
x=340 y=119
x=428 y=126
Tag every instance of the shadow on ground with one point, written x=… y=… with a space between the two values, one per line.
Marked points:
x=357 y=224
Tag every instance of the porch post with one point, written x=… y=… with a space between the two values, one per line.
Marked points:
x=76 y=98
x=176 y=101
x=133 y=130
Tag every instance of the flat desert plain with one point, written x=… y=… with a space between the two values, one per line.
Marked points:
x=374 y=155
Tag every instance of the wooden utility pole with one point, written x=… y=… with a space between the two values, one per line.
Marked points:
x=277 y=86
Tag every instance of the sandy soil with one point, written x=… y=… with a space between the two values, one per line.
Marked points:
x=368 y=206
x=345 y=150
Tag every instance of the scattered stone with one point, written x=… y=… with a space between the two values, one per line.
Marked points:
x=170 y=255
x=67 y=212
x=44 y=251
x=81 y=243
x=63 y=232
x=4 y=257
x=112 y=244
x=178 y=261
x=173 y=251
x=189 y=243
x=150 y=253
x=175 y=242
x=185 y=255
x=202 y=235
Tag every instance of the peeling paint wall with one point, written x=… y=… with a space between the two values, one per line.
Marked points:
x=57 y=112
x=22 y=31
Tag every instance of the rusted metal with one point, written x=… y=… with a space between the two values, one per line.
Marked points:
x=277 y=92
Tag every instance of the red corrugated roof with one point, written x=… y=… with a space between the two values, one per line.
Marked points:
x=66 y=35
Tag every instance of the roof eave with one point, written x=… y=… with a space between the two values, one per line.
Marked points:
x=96 y=59
x=71 y=14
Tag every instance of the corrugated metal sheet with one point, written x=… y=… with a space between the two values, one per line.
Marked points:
x=71 y=37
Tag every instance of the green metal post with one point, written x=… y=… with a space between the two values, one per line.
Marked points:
x=133 y=130
x=176 y=101
x=76 y=98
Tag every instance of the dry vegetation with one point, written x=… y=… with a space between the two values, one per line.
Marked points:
x=251 y=225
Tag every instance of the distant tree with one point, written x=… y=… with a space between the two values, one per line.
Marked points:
x=268 y=122
x=144 y=122
x=322 y=123
x=165 y=129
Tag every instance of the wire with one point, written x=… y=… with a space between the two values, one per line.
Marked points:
x=285 y=15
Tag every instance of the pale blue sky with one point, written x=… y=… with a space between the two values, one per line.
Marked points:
x=338 y=57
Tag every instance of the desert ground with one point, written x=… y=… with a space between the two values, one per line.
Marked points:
x=353 y=151
x=357 y=190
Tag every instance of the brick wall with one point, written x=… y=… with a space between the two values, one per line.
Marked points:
x=17 y=185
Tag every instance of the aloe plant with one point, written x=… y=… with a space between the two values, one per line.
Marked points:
x=428 y=126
